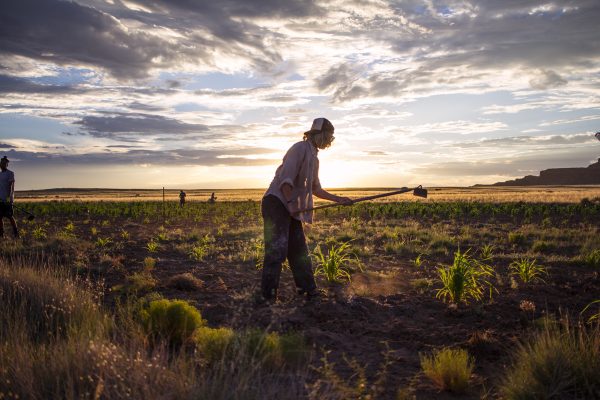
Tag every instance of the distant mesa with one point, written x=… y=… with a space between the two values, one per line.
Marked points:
x=560 y=176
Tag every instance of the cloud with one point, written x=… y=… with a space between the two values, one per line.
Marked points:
x=6 y=146
x=521 y=141
x=547 y=79
x=111 y=126
x=11 y=84
x=132 y=156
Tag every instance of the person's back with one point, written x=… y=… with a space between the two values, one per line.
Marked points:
x=182 y=198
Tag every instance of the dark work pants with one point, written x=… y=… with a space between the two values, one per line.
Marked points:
x=284 y=238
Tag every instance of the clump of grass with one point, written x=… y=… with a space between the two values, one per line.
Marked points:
x=213 y=344
x=38 y=233
x=527 y=270
x=449 y=369
x=487 y=252
x=464 y=279
x=593 y=317
x=198 y=252
x=149 y=264
x=560 y=361
x=516 y=238
x=592 y=259
x=141 y=282
x=421 y=284
x=336 y=264
x=541 y=246
x=185 y=281
x=172 y=320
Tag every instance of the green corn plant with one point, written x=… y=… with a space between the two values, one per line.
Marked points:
x=594 y=316
x=464 y=279
x=527 y=270
x=124 y=234
x=487 y=252
x=334 y=265
x=419 y=261
x=39 y=233
x=198 y=252
x=152 y=246
x=103 y=242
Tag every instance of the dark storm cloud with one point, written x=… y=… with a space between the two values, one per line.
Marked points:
x=11 y=84
x=6 y=146
x=115 y=125
x=231 y=157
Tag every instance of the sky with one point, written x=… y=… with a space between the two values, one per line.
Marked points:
x=199 y=94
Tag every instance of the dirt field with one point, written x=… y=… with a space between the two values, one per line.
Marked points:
x=389 y=308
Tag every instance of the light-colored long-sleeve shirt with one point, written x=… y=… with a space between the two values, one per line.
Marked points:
x=299 y=169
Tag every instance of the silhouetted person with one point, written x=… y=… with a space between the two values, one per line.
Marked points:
x=212 y=198
x=291 y=191
x=181 y=198
x=7 y=197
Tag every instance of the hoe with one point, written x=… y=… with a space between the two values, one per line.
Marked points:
x=417 y=191
x=30 y=216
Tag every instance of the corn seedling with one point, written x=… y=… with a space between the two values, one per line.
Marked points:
x=152 y=246
x=335 y=264
x=38 y=233
x=464 y=279
x=487 y=252
x=124 y=234
x=419 y=261
x=449 y=369
x=198 y=252
x=103 y=242
x=527 y=270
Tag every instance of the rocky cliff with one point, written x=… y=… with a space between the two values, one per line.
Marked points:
x=560 y=176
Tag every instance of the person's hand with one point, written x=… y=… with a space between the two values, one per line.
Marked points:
x=293 y=208
x=346 y=201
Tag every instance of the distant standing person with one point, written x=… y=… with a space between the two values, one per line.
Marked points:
x=181 y=198
x=296 y=181
x=7 y=197
x=212 y=198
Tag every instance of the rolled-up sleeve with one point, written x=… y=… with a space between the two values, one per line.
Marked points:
x=291 y=165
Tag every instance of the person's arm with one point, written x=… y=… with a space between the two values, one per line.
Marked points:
x=325 y=195
x=12 y=192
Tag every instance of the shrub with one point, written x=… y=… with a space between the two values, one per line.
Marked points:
x=558 y=362
x=185 y=281
x=449 y=369
x=527 y=270
x=173 y=320
x=213 y=343
x=464 y=279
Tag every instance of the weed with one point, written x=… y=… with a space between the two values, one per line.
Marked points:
x=149 y=264
x=335 y=264
x=464 y=279
x=527 y=270
x=94 y=231
x=516 y=238
x=124 y=234
x=593 y=317
x=141 y=282
x=185 y=281
x=559 y=362
x=421 y=284
x=449 y=369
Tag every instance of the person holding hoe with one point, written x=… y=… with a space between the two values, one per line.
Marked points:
x=7 y=197
x=284 y=208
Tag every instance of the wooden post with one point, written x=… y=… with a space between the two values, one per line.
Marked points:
x=163 y=206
